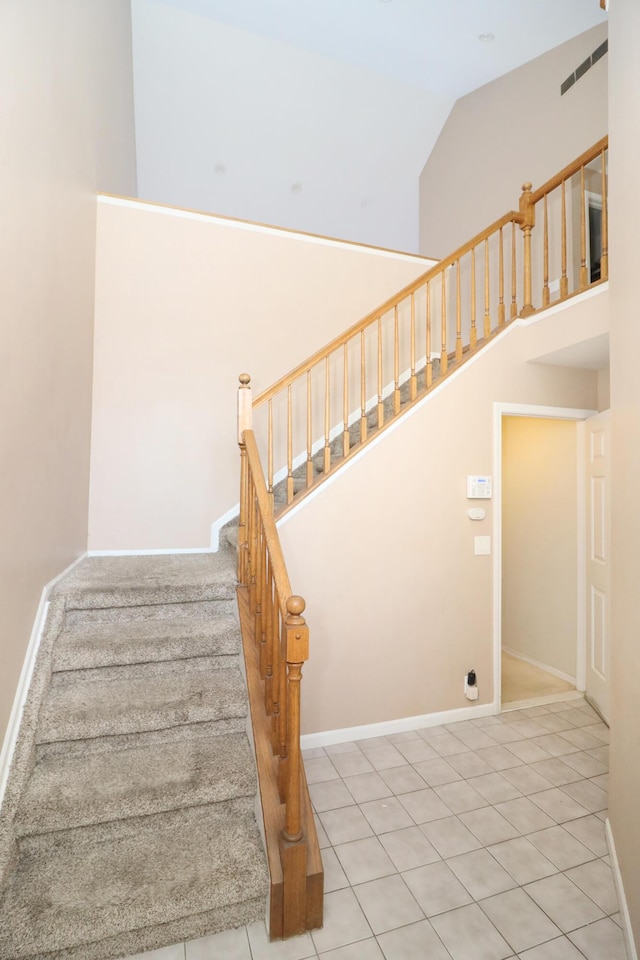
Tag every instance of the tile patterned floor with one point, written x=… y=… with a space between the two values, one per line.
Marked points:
x=479 y=840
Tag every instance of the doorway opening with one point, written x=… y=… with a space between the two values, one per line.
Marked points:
x=539 y=536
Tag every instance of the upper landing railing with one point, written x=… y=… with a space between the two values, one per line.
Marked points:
x=327 y=408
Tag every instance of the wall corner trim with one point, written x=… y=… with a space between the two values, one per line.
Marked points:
x=327 y=738
x=622 y=900
x=15 y=718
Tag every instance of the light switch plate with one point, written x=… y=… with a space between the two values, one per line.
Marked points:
x=481 y=546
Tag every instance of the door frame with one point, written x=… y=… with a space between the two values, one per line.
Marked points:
x=501 y=410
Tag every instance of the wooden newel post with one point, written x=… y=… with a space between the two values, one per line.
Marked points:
x=528 y=213
x=244 y=423
x=297 y=651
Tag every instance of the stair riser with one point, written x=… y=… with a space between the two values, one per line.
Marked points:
x=140 y=670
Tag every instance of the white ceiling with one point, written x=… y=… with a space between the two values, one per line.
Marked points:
x=430 y=44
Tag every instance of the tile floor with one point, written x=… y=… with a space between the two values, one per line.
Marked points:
x=480 y=840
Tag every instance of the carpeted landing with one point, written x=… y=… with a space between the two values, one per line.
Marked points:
x=131 y=799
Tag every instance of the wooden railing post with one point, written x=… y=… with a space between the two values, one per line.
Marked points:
x=293 y=847
x=245 y=409
x=528 y=213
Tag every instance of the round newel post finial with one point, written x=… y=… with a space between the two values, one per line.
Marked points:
x=295 y=606
x=526 y=187
x=244 y=379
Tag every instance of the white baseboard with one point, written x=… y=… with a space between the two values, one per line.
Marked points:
x=148 y=553
x=542 y=701
x=541 y=666
x=622 y=900
x=385 y=727
x=222 y=521
x=15 y=718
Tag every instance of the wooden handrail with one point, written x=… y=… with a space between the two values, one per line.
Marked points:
x=570 y=169
x=276 y=646
x=388 y=304
x=400 y=350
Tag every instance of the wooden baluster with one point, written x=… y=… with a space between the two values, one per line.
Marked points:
x=429 y=371
x=253 y=543
x=473 y=333
x=245 y=411
x=487 y=305
x=289 y=446
x=327 y=417
x=584 y=272
x=458 y=315
x=564 y=280
x=258 y=632
x=501 y=307
x=546 y=297
x=380 y=402
x=413 y=381
x=528 y=211
x=363 y=390
x=514 y=278
x=309 y=433
x=270 y=453
x=345 y=411
x=604 y=256
x=293 y=850
x=275 y=675
x=282 y=718
x=268 y=665
x=396 y=364
x=444 y=359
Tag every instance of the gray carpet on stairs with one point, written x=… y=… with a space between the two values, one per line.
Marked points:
x=131 y=806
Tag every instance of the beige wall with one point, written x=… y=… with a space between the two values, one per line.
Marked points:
x=67 y=130
x=182 y=307
x=539 y=540
x=624 y=108
x=398 y=605
x=514 y=129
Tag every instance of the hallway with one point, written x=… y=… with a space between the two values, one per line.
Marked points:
x=479 y=840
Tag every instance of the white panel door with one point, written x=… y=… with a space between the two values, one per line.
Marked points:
x=598 y=566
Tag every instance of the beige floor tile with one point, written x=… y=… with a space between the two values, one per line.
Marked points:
x=555 y=745
x=424 y=805
x=495 y=788
x=596 y=880
x=447 y=745
x=587 y=794
x=500 y=758
x=563 y=902
x=591 y=832
x=364 y=860
x=450 y=836
x=469 y=935
x=460 y=797
x=527 y=752
x=600 y=940
x=298 y=948
x=415 y=750
x=521 y=859
x=230 y=945
x=418 y=940
x=481 y=874
x=558 y=805
x=384 y=757
x=329 y=795
x=364 y=950
x=520 y=921
x=403 y=779
x=526 y=780
x=320 y=769
x=556 y=771
x=345 y=824
x=349 y=764
x=436 y=772
x=388 y=903
x=559 y=949
x=409 y=848
x=559 y=846
x=386 y=814
x=337 y=748
x=334 y=876
x=344 y=922
x=436 y=888
x=469 y=764
x=488 y=825
x=367 y=786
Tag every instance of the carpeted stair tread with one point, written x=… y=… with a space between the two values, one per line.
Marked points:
x=104 y=643
x=69 y=792
x=154 y=870
x=160 y=699
x=158 y=579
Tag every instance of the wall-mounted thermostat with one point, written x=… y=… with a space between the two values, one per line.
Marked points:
x=478 y=488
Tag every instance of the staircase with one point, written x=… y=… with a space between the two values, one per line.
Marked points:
x=136 y=827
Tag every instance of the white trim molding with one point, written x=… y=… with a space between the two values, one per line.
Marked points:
x=541 y=666
x=627 y=929
x=15 y=718
x=386 y=727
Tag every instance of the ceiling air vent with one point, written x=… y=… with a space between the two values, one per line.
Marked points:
x=580 y=71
